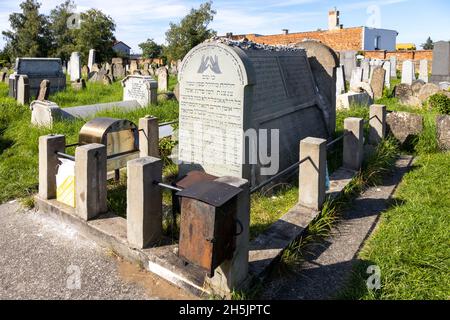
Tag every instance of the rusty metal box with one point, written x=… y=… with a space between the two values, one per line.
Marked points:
x=208 y=224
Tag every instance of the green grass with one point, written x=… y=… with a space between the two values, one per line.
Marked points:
x=411 y=244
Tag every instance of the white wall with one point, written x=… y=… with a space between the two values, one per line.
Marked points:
x=388 y=39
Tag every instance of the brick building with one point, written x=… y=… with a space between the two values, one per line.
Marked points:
x=336 y=37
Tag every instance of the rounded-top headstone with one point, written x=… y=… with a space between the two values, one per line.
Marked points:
x=428 y=90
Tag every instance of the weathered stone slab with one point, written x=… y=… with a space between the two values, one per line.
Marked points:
x=75 y=66
x=365 y=65
x=356 y=77
x=23 y=90
x=408 y=72
x=344 y=101
x=45 y=113
x=387 y=76
x=163 y=80
x=416 y=86
x=427 y=91
x=44 y=90
x=377 y=82
x=404 y=125
x=403 y=90
x=423 y=70
x=393 y=60
x=340 y=80
x=140 y=88
x=348 y=60
x=412 y=101
x=227 y=90
x=444 y=85
x=443 y=131
x=441 y=62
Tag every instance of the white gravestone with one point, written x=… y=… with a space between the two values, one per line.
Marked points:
x=387 y=77
x=143 y=89
x=340 y=80
x=75 y=66
x=356 y=79
x=423 y=70
x=408 y=72
x=365 y=65
x=163 y=80
x=393 y=60
x=91 y=59
x=229 y=93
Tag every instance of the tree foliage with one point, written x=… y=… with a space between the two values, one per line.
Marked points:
x=428 y=45
x=191 y=31
x=29 y=35
x=150 y=49
x=63 y=37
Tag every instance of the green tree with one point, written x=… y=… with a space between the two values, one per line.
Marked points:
x=62 y=36
x=96 y=32
x=428 y=45
x=29 y=34
x=150 y=49
x=191 y=31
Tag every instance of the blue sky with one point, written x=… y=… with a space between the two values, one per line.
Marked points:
x=138 y=20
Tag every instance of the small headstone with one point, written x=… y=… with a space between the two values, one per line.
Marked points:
x=75 y=66
x=91 y=59
x=78 y=85
x=85 y=71
x=340 y=80
x=133 y=66
x=140 y=88
x=404 y=125
x=427 y=91
x=163 y=80
x=387 y=76
x=356 y=77
x=95 y=68
x=365 y=65
x=416 y=86
x=377 y=82
x=441 y=62
x=408 y=72
x=423 y=70
x=23 y=90
x=443 y=132
x=393 y=60
x=44 y=90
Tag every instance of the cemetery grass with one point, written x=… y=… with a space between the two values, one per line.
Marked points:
x=19 y=140
x=410 y=244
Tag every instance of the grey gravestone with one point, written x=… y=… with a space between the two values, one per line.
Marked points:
x=118 y=71
x=423 y=70
x=44 y=90
x=117 y=60
x=427 y=91
x=408 y=72
x=75 y=66
x=416 y=86
x=323 y=62
x=23 y=90
x=403 y=90
x=387 y=76
x=80 y=84
x=230 y=88
x=163 y=80
x=356 y=76
x=140 y=88
x=365 y=65
x=441 y=62
x=348 y=60
x=393 y=60
x=95 y=68
x=12 y=79
x=38 y=69
x=91 y=59
x=340 y=80
x=377 y=82
x=346 y=100
x=133 y=66
x=443 y=131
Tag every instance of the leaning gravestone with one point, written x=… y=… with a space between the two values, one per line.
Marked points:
x=143 y=89
x=377 y=82
x=38 y=69
x=23 y=90
x=408 y=72
x=44 y=90
x=75 y=66
x=118 y=71
x=163 y=80
x=324 y=62
x=231 y=89
x=427 y=91
x=365 y=65
x=441 y=62
x=340 y=80
x=423 y=70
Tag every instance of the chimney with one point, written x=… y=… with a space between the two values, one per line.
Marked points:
x=285 y=31
x=333 y=20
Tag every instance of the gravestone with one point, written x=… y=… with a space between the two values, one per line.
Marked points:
x=12 y=83
x=356 y=76
x=44 y=90
x=348 y=60
x=441 y=62
x=427 y=91
x=423 y=70
x=393 y=60
x=404 y=125
x=3 y=75
x=377 y=82
x=75 y=66
x=340 y=80
x=403 y=90
x=78 y=85
x=118 y=71
x=163 y=80
x=365 y=65
x=143 y=89
x=38 y=69
x=230 y=90
x=324 y=62
x=416 y=86
x=443 y=132
x=85 y=71
x=445 y=85
x=133 y=66
x=91 y=59
x=117 y=61
x=387 y=76
x=95 y=68
x=408 y=72
x=23 y=90
x=176 y=91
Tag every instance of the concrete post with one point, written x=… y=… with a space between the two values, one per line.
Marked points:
x=48 y=161
x=353 y=143
x=312 y=172
x=144 y=201
x=377 y=123
x=90 y=180
x=230 y=274
x=149 y=137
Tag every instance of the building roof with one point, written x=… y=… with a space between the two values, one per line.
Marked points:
x=121 y=43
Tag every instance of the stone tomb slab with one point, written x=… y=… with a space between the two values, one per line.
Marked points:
x=143 y=89
x=227 y=90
